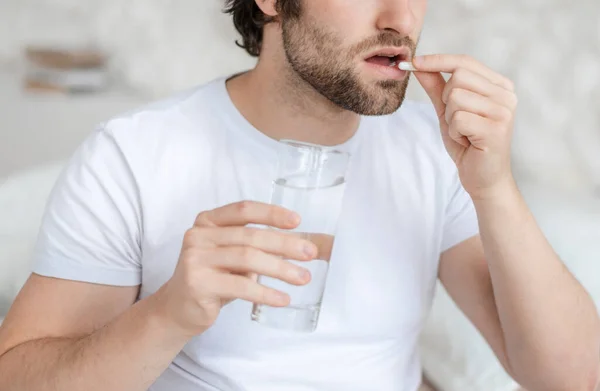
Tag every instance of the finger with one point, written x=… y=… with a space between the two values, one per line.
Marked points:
x=449 y=63
x=250 y=261
x=274 y=242
x=472 y=128
x=471 y=81
x=231 y=287
x=464 y=100
x=434 y=84
x=249 y=212
x=324 y=245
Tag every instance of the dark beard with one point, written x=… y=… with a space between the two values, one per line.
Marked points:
x=316 y=57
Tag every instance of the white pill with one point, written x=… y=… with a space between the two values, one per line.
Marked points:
x=407 y=66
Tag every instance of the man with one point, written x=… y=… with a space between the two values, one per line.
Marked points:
x=117 y=302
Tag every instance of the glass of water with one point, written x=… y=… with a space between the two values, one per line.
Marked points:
x=311 y=181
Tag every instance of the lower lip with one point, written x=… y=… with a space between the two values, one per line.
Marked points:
x=389 y=72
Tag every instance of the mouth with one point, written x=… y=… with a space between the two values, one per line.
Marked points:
x=388 y=57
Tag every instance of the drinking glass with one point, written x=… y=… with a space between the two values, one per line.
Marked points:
x=310 y=181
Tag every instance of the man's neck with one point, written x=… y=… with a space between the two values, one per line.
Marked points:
x=281 y=105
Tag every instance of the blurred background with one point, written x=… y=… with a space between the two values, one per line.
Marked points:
x=66 y=65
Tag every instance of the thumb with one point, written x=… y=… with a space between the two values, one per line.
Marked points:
x=433 y=84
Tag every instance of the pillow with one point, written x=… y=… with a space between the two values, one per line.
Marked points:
x=22 y=202
x=455 y=356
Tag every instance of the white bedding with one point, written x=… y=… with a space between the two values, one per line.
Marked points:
x=22 y=201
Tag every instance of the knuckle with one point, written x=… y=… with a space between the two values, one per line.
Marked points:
x=248 y=255
x=195 y=237
x=464 y=58
x=252 y=236
x=454 y=134
x=504 y=114
x=191 y=258
x=454 y=95
x=202 y=219
x=189 y=237
x=459 y=75
x=193 y=278
x=459 y=117
x=452 y=131
x=244 y=208
x=187 y=260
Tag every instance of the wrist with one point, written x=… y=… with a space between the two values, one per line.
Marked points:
x=162 y=315
x=502 y=191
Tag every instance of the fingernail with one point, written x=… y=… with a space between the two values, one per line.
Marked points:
x=418 y=61
x=281 y=298
x=309 y=250
x=303 y=274
x=293 y=218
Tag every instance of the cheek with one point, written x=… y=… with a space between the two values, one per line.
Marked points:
x=349 y=20
x=419 y=8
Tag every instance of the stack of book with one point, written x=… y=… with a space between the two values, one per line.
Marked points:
x=67 y=71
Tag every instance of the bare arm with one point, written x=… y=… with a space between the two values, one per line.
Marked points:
x=69 y=336
x=62 y=335
x=537 y=317
x=540 y=322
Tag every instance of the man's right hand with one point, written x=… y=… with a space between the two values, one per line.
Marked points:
x=221 y=258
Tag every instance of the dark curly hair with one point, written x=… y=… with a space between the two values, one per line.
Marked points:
x=249 y=20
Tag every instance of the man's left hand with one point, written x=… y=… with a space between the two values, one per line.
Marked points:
x=476 y=109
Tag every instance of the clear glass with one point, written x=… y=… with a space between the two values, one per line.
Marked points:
x=311 y=181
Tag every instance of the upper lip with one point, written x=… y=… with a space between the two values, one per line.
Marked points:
x=403 y=52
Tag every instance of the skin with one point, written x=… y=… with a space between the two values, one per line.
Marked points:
x=539 y=321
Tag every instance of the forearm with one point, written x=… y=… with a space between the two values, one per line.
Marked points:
x=126 y=355
x=550 y=323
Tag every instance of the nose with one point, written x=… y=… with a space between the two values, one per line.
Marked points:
x=397 y=16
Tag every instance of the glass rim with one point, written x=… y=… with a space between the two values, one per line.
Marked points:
x=305 y=145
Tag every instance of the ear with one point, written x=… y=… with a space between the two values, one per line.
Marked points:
x=268 y=7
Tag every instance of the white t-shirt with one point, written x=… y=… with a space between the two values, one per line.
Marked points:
x=120 y=209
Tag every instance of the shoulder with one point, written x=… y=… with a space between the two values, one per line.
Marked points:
x=175 y=113
x=148 y=135
x=140 y=143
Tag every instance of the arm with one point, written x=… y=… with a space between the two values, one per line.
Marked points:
x=537 y=318
x=70 y=336
x=550 y=323
x=63 y=335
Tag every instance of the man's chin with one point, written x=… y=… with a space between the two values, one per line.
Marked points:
x=381 y=103
x=380 y=111
x=375 y=108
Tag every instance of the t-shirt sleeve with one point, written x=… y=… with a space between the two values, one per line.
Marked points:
x=91 y=227
x=460 y=221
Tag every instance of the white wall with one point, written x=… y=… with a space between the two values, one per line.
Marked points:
x=550 y=48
